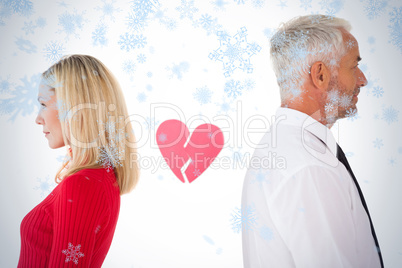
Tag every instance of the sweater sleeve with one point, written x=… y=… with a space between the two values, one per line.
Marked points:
x=81 y=213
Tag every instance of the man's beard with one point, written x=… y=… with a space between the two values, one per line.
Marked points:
x=337 y=103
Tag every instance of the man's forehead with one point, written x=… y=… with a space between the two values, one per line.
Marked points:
x=351 y=45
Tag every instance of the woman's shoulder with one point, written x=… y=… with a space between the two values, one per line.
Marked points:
x=91 y=179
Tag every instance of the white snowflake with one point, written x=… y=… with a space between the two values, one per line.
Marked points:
x=187 y=9
x=99 y=35
x=29 y=27
x=41 y=22
x=258 y=3
x=150 y=123
x=306 y=4
x=136 y=22
x=235 y=52
x=110 y=154
x=374 y=8
x=25 y=45
x=178 y=69
x=244 y=218
x=224 y=106
x=141 y=97
x=233 y=88
x=162 y=137
x=71 y=22
x=378 y=91
x=329 y=107
x=345 y=101
x=53 y=51
x=378 y=143
x=141 y=58
x=45 y=186
x=390 y=114
x=203 y=95
x=170 y=24
x=73 y=253
x=352 y=114
x=196 y=172
x=145 y=7
x=239 y=2
x=260 y=176
x=22 y=7
x=395 y=27
x=23 y=98
x=108 y=9
x=392 y=161
x=127 y=42
x=219 y=4
x=333 y=96
x=266 y=233
x=129 y=67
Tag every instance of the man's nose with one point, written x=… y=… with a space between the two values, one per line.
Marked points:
x=361 y=79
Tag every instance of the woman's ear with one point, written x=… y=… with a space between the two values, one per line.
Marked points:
x=320 y=75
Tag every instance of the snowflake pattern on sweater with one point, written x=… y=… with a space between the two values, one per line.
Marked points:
x=73 y=253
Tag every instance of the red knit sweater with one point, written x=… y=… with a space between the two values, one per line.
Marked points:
x=74 y=225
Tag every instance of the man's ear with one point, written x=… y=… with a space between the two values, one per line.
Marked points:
x=320 y=75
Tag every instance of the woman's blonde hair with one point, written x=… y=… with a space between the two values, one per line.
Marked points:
x=94 y=119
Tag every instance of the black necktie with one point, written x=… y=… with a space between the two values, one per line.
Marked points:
x=342 y=158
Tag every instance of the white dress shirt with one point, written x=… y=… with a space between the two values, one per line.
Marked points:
x=300 y=206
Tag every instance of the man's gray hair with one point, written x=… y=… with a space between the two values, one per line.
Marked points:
x=299 y=43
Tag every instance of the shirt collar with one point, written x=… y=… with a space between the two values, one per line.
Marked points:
x=307 y=123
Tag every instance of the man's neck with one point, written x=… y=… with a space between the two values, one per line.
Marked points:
x=311 y=110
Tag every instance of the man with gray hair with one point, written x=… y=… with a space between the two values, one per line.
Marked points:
x=309 y=212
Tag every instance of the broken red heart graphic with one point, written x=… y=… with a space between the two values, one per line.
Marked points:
x=195 y=154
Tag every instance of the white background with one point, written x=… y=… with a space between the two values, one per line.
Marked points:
x=164 y=222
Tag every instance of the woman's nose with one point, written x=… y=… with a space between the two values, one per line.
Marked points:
x=39 y=120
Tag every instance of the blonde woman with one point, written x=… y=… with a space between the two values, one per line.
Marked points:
x=82 y=108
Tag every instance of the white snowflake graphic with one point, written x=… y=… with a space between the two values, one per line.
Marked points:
x=141 y=97
x=235 y=52
x=378 y=143
x=233 y=88
x=162 y=137
x=23 y=99
x=25 y=45
x=70 y=23
x=99 y=35
x=390 y=115
x=352 y=114
x=396 y=27
x=196 y=172
x=108 y=9
x=53 y=51
x=378 y=91
x=110 y=155
x=73 y=253
x=345 y=101
x=243 y=218
x=187 y=9
x=306 y=4
x=45 y=186
x=329 y=107
x=266 y=233
x=374 y=8
x=178 y=69
x=203 y=95
x=333 y=96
